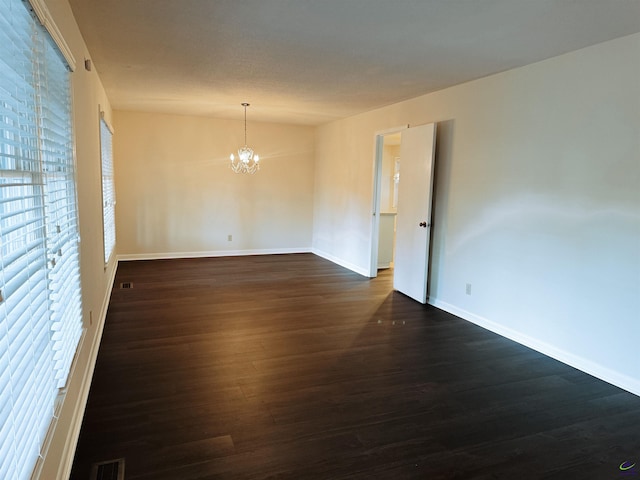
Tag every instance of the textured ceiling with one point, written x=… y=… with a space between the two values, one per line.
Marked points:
x=308 y=62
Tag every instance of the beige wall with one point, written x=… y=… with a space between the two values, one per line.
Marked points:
x=88 y=94
x=537 y=203
x=177 y=196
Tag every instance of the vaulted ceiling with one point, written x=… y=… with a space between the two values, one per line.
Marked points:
x=312 y=61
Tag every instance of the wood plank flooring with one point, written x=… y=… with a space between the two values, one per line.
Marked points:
x=291 y=367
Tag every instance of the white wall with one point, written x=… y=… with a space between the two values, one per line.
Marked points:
x=96 y=280
x=176 y=195
x=537 y=203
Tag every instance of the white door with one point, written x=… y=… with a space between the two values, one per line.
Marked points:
x=413 y=221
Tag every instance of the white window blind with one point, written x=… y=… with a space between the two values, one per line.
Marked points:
x=108 y=189
x=40 y=304
x=58 y=170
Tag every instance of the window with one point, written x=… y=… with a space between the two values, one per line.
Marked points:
x=108 y=190
x=40 y=302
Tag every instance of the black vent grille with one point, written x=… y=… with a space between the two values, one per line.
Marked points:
x=109 y=470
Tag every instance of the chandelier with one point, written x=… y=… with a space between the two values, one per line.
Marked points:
x=246 y=161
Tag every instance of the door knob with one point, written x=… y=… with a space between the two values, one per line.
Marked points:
x=423 y=224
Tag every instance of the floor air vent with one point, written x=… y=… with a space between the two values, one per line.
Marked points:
x=126 y=285
x=110 y=470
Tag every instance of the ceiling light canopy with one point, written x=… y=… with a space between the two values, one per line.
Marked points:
x=247 y=161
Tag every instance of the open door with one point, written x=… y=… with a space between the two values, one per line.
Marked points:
x=413 y=221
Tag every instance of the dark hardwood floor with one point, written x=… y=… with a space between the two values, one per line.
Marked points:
x=291 y=367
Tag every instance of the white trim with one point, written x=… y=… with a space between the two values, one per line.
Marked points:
x=103 y=116
x=45 y=18
x=603 y=373
x=338 y=261
x=388 y=131
x=378 y=146
x=66 y=462
x=214 y=253
x=236 y=253
x=374 y=241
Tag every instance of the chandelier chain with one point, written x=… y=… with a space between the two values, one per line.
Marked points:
x=245 y=105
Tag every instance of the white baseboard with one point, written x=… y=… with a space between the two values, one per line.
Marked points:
x=342 y=263
x=213 y=253
x=233 y=253
x=603 y=373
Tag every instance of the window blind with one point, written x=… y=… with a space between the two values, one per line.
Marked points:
x=108 y=189
x=40 y=304
x=58 y=170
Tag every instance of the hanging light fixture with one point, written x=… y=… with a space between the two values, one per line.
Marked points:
x=246 y=162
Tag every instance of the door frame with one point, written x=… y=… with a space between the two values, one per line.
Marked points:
x=378 y=144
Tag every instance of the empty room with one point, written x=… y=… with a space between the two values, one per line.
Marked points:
x=319 y=240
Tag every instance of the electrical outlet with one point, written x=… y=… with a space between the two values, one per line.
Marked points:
x=229 y=238
x=468 y=289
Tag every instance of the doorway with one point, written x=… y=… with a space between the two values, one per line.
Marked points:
x=409 y=172
x=385 y=199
